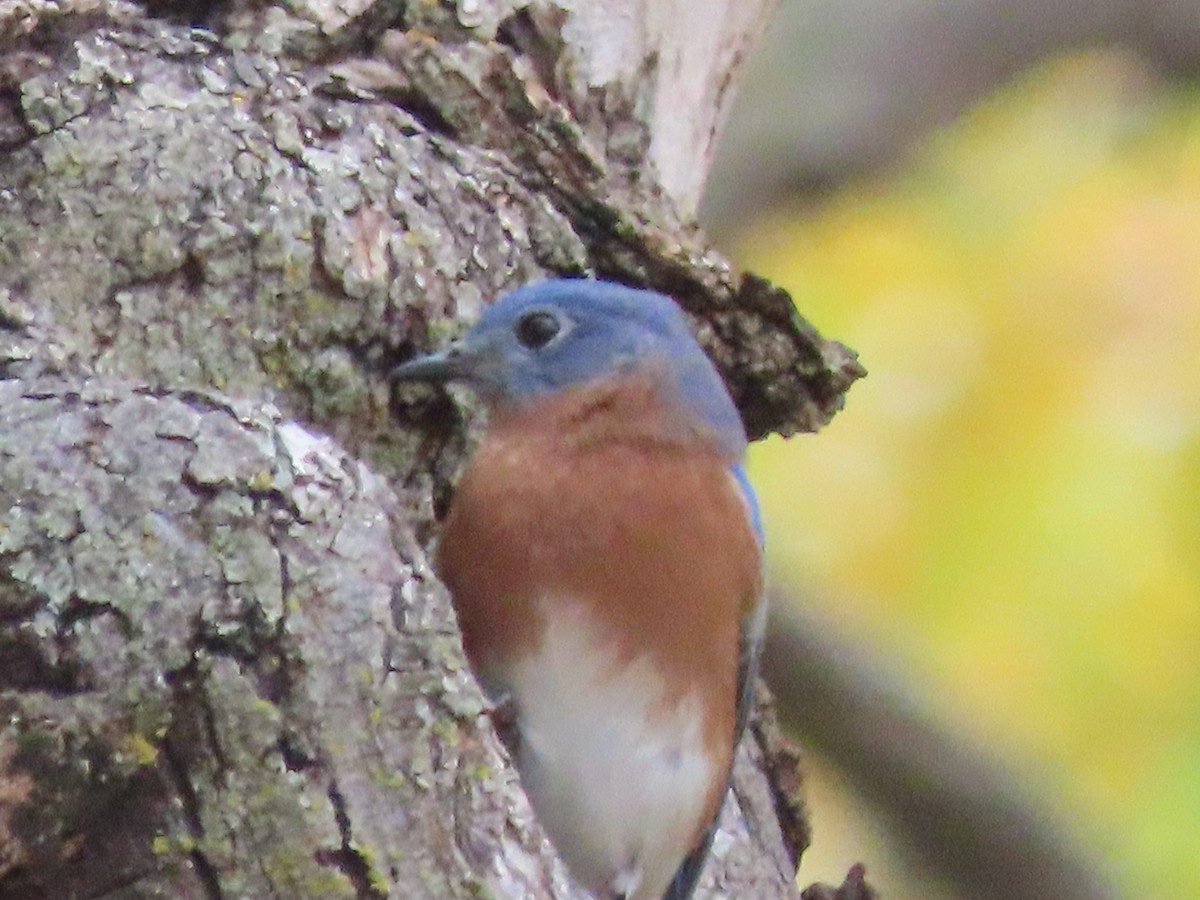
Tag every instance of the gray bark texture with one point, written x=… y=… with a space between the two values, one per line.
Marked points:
x=226 y=669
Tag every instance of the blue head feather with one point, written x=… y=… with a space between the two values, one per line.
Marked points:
x=554 y=335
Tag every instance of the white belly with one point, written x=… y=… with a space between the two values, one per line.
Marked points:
x=618 y=782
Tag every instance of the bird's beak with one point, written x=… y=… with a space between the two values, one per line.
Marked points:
x=447 y=365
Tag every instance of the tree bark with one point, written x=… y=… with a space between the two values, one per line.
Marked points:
x=226 y=669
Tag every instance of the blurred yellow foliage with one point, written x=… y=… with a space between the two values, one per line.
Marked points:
x=1011 y=499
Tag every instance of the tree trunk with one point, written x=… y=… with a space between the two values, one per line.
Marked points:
x=226 y=669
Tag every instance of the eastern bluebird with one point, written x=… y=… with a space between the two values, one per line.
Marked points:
x=603 y=554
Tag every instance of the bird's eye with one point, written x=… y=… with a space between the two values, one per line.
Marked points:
x=536 y=329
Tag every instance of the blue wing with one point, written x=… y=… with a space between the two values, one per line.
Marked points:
x=739 y=474
x=753 y=626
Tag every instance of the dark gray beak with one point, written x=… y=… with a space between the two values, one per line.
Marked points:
x=435 y=367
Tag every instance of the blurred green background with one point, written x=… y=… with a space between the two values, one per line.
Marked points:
x=1008 y=508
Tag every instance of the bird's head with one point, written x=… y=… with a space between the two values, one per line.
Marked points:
x=555 y=335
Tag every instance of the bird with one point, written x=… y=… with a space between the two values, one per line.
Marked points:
x=603 y=553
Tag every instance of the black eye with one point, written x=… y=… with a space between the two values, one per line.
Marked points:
x=536 y=329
